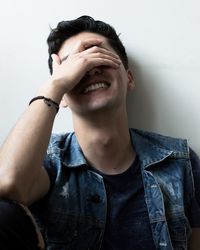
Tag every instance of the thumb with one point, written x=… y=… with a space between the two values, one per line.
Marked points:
x=56 y=60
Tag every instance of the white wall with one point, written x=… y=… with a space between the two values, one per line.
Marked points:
x=162 y=39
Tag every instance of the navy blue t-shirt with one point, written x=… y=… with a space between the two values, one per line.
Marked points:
x=128 y=225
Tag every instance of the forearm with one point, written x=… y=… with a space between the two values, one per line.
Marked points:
x=22 y=153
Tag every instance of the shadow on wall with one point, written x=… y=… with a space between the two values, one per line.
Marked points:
x=158 y=107
x=140 y=105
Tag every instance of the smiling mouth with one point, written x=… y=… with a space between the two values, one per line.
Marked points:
x=96 y=86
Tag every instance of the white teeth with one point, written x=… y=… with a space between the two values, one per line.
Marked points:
x=95 y=86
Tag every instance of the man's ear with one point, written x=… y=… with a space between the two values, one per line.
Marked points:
x=131 y=82
x=63 y=102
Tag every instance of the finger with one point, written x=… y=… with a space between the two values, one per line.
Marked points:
x=96 y=49
x=85 y=44
x=96 y=62
x=56 y=60
x=97 y=52
x=99 y=55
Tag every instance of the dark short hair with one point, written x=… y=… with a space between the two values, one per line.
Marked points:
x=67 y=29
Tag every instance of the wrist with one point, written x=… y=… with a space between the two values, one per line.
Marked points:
x=51 y=89
x=49 y=102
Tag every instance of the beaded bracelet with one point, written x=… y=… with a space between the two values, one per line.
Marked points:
x=47 y=101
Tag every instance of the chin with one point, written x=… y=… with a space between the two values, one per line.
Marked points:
x=92 y=110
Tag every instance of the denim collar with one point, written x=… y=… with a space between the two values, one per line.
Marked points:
x=73 y=156
x=153 y=148
x=150 y=148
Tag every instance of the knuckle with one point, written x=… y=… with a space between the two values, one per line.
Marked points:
x=80 y=42
x=79 y=45
x=95 y=48
x=83 y=60
x=98 y=54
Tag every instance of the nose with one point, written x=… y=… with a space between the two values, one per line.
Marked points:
x=94 y=71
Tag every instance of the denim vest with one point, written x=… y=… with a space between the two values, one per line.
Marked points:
x=75 y=213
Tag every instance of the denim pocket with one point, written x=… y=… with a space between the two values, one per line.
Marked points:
x=179 y=230
x=72 y=232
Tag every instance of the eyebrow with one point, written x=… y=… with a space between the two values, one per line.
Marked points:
x=64 y=58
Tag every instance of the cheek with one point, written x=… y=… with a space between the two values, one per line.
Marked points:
x=122 y=76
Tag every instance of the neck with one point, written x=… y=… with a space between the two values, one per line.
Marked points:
x=105 y=142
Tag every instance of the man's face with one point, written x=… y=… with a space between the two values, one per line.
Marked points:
x=102 y=87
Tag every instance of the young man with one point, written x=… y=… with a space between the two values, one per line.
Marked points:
x=105 y=186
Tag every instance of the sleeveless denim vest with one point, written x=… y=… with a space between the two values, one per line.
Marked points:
x=73 y=215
